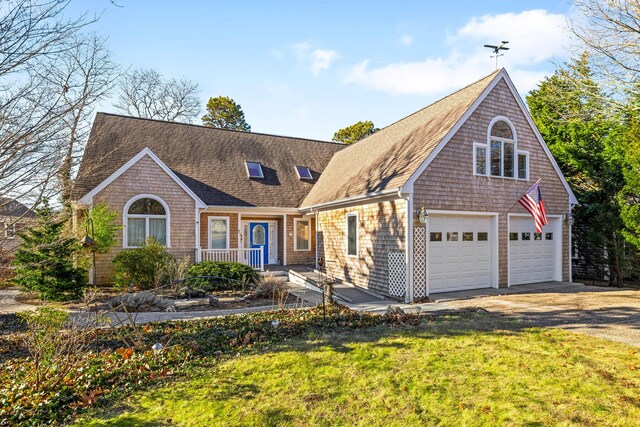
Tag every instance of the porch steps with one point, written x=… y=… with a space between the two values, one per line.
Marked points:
x=343 y=291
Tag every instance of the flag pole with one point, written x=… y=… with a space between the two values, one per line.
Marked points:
x=514 y=205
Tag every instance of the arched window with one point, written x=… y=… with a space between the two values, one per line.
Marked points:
x=146 y=217
x=499 y=156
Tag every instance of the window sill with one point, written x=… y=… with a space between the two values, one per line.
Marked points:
x=501 y=177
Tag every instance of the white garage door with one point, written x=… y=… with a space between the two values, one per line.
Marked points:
x=459 y=253
x=532 y=256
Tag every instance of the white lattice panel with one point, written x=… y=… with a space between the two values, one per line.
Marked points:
x=397 y=274
x=419 y=262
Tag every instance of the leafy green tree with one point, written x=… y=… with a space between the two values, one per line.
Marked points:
x=224 y=113
x=629 y=197
x=103 y=227
x=586 y=139
x=44 y=261
x=355 y=132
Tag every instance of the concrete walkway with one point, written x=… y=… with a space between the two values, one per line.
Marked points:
x=8 y=303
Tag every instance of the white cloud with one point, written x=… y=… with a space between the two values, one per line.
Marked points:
x=321 y=59
x=535 y=37
x=406 y=40
x=277 y=53
x=318 y=59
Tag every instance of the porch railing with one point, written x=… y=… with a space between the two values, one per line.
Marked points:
x=253 y=257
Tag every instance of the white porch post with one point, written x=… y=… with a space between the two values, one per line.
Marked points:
x=198 y=256
x=284 y=241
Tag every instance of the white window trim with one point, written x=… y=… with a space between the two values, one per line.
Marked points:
x=126 y=216
x=487 y=147
x=209 y=241
x=475 y=158
x=295 y=167
x=246 y=165
x=10 y=226
x=526 y=153
x=295 y=235
x=356 y=255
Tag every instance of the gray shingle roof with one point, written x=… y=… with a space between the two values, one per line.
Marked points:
x=13 y=208
x=388 y=158
x=209 y=161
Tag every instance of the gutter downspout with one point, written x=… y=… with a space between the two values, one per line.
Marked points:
x=316 y=232
x=408 y=249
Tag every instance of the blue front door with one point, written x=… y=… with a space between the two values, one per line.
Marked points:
x=259 y=238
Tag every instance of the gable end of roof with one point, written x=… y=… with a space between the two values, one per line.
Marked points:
x=87 y=199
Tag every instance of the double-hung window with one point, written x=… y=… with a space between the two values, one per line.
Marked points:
x=218 y=232
x=303 y=234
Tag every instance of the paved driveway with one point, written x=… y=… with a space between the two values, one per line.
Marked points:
x=610 y=313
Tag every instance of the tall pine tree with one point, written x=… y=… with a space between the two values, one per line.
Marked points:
x=586 y=138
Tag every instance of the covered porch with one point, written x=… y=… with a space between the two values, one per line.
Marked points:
x=258 y=237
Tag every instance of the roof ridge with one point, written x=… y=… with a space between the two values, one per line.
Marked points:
x=217 y=129
x=496 y=72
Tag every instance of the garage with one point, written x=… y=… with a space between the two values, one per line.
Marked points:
x=533 y=256
x=460 y=254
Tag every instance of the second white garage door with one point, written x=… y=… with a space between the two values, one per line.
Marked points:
x=459 y=254
x=532 y=256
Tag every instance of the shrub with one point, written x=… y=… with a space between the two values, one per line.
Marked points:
x=140 y=301
x=44 y=262
x=240 y=275
x=143 y=267
x=271 y=287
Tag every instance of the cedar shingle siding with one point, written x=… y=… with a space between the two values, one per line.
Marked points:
x=210 y=162
x=381 y=230
x=146 y=177
x=449 y=183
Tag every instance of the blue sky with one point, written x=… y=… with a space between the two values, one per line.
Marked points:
x=307 y=69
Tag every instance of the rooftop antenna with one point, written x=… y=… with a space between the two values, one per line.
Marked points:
x=497 y=49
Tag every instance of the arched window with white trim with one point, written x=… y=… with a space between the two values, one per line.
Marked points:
x=146 y=216
x=500 y=156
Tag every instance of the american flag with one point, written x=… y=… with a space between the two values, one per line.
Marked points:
x=533 y=203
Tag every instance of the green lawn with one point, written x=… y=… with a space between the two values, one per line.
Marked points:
x=474 y=370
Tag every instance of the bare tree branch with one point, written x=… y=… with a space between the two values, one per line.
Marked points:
x=145 y=93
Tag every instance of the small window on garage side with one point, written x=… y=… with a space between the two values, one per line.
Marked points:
x=526 y=236
x=467 y=236
x=523 y=165
x=435 y=237
x=452 y=236
x=548 y=236
x=513 y=236
x=480 y=155
x=352 y=234
x=537 y=236
x=483 y=236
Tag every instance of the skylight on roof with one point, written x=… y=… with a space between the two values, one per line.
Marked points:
x=254 y=170
x=303 y=172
